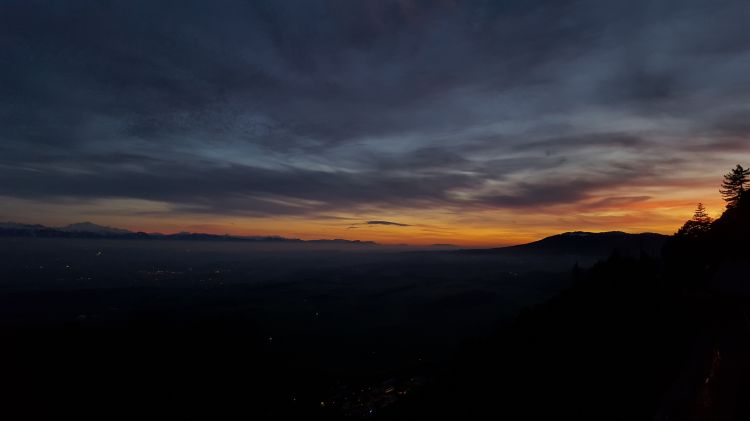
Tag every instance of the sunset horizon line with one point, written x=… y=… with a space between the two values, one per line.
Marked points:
x=311 y=238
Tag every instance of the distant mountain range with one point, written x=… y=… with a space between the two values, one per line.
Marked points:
x=91 y=230
x=578 y=242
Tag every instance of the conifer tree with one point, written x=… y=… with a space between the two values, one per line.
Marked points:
x=700 y=216
x=734 y=185
x=698 y=225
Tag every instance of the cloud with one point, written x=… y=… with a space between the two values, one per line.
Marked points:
x=306 y=108
x=395 y=224
x=617 y=201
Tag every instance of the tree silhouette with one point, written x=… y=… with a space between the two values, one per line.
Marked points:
x=700 y=214
x=734 y=185
x=698 y=225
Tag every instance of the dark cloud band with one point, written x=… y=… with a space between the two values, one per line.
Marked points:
x=307 y=107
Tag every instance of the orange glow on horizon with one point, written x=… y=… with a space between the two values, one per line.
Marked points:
x=660 y=209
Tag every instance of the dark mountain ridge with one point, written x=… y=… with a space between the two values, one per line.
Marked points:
x=600 y=244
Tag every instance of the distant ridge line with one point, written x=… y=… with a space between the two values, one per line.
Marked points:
x=90 y=230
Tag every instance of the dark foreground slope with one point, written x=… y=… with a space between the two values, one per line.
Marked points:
x=635 y=338
x=606 y=348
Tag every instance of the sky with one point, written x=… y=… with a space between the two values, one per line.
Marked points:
x=466 y=122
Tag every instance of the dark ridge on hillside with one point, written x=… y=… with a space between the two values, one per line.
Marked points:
x=600 y=244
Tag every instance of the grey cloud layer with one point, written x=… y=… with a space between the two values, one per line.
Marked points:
x=308 y=107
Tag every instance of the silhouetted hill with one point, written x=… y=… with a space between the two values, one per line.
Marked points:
x=717 y=258
x=600 y=244
x=731 y=232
